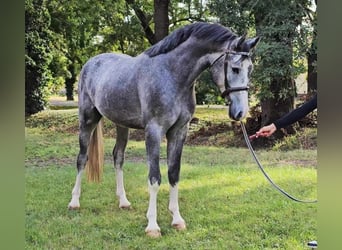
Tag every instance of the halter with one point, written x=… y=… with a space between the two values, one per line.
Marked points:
x=229 y=89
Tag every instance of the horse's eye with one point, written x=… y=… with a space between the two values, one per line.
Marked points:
x=236 y=70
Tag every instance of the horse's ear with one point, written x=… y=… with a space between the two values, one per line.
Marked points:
x=241 y=41
x=252 y=42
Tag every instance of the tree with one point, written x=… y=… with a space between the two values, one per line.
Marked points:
x=121 y=30
x=38 y=55
x=78 y=23
x=156 y=20
x=188 y=11
x=280 y=53
x=70 y=19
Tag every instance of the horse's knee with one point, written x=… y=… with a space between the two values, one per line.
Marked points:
x=154 y=175
x=173 y=176
x=155 y=179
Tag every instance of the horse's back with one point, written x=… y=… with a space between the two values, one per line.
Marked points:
x=104 y=62
x=106 y=84
x=101 y=70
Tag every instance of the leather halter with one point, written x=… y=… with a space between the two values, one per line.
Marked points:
x=229 y=89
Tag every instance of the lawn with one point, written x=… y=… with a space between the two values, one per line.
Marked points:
x=224 y=199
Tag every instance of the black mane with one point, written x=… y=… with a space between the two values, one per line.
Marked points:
x=212 y=33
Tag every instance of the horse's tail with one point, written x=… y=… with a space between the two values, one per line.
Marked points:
x=94 y=166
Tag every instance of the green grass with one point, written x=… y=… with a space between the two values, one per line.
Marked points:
x=225 y=200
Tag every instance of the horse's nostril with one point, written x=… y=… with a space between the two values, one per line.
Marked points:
x=239 y=116
x=234 y=116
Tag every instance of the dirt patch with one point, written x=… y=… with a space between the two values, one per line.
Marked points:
x=298 y=163
x=58 y=162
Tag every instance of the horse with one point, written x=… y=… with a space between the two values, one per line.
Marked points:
x=155 y=91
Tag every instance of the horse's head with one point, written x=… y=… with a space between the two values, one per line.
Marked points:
x=231 y=72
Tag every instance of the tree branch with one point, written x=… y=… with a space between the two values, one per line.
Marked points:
x=189 y=19
x=143 y=21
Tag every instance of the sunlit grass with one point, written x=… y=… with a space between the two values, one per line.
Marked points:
x=224 y=198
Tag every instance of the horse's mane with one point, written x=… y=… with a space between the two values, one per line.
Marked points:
x=212 y=33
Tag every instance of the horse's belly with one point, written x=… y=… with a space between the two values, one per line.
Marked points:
x=125 y=120
x=119 y=107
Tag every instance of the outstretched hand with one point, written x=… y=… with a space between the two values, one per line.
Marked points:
x=265 y=131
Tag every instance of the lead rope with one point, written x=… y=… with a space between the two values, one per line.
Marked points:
x=263 y=171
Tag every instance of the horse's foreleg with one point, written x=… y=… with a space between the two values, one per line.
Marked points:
x=152 y=140
x=177 y=220
x=152 y=229
x=119 y=157
x=175 y=141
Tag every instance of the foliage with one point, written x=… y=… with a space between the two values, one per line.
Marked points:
x=77 y=23
x=185 y=12
x=285 y=33
x=38 y=55
x=283 y=50
x=206 y=91
x=83 y=29
x=306 y=138
x=76 y=30
x=121 y=30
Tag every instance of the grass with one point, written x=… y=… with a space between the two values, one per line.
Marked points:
x=211 y=127
x=225 y=200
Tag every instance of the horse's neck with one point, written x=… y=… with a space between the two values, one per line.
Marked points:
x=190 y=61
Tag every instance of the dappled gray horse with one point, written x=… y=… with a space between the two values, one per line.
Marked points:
x=154 y=91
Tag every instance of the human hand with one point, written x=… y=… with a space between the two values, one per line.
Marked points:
x=266 y=131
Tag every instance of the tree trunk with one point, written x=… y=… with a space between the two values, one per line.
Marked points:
x=69 y=83
x=312 y=73
x=312 y=62
x=274 y=108
x=161 y=19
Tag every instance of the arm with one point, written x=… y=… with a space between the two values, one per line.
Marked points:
x=289 y=118
x=297 y=114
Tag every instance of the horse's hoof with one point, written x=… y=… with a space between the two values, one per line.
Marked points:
x=125 y=206
x=70 y=207
x=124 y=203
x=179 y=226
x=153 y=233
x=74 y=204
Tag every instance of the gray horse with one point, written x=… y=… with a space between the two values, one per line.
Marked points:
x=154 y=91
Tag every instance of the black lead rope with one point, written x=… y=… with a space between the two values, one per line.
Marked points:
x=263 y=171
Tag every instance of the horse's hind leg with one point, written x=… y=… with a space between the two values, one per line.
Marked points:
x=88 y=121
x=119 y=156
x=175 y=141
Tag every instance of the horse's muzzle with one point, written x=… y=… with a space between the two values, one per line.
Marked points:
x=236 y=117
x=236 y=114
